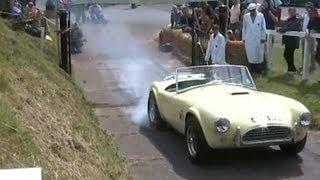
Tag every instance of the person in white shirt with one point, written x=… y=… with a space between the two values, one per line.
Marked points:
x=96 y=14
x=254 y=36
x=235 y=15
x=216 y=47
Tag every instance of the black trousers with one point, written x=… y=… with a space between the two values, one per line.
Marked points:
x=318 y=51
x=257 y=68
x=289 y=56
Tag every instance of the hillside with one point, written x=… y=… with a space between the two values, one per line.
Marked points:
x=44 y=118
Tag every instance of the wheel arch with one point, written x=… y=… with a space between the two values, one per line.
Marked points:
x=155 y=92
x=193 y=112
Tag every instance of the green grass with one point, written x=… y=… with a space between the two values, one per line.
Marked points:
x=279 y=82
x=45 y=120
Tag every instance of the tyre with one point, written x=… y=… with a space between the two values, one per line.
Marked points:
x=155 y=119
x=197 y=146
x=294 y=148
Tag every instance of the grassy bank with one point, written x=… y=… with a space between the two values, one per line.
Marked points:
x=44 y=118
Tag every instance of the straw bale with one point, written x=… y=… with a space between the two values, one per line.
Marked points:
x=236 y=53
x=181 y=42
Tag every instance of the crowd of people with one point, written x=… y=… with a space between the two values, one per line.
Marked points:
x=30 y=11
x=26 y=15
x=247 y=21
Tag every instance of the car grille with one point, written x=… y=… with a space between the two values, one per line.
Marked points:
x=267 y=134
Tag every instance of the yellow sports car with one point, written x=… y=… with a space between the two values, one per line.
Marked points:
x=218 y=107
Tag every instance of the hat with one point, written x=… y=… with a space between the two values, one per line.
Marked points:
x=252 y=6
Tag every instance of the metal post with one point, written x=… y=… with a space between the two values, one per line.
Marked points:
x=64 y=40
x=307 y=59
x=269 y=52
x=226 y=28
x=69 y=44
x=193 y=42
x=57 y=28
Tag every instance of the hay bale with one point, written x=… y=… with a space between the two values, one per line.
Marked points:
x=180 y=41
x=182 y=45
x=236 y=53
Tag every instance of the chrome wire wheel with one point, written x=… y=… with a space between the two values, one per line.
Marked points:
x=191 y=141
x=152 y=111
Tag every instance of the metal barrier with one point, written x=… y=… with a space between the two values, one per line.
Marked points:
x=306 y=58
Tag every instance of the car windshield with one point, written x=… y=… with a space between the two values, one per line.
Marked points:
x=198 y=76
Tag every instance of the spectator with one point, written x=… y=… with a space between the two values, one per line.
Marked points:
x=185 y=14
x=205 y=22
x=197 y=16
x=231 y=36
x=96 y=14
x=235 y=16
x=76 y=39
x=187 y=20
x=306 y=16
x=30 y=8
x=223 y=18
x=51 y=5
x=257 y=2
x=175 y=16
x=66 y=4
x=208 y=17
x=216 y=47
x=254 y=35
x=16 y=9
x=269 y=11
x=291 y=43
x=32 y=14
x=314 y=26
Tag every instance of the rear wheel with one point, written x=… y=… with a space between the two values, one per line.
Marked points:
x=294 y=148
x=197 y=145
x=155 y=119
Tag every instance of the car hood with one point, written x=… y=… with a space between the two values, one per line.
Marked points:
x=237 y=103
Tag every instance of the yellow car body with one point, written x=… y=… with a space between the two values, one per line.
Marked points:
x=256 y=118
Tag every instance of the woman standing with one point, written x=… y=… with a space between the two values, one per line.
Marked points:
x=291 y=43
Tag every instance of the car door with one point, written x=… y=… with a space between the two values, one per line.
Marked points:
x=165 y=106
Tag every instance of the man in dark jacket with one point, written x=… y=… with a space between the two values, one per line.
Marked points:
x=76 y=39
x=291 y=43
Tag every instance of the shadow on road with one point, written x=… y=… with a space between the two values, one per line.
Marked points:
x=259 y=163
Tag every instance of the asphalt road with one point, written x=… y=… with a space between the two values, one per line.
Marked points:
x=119 y=62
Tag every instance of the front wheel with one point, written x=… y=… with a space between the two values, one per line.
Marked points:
x=155 y=119
x=197 y=145
x=294 y=148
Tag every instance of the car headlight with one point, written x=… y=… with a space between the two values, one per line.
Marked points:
x=305 y=119
x=223 y=125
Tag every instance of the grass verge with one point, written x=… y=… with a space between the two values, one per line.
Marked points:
x=45 y=120
x=279 y=82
